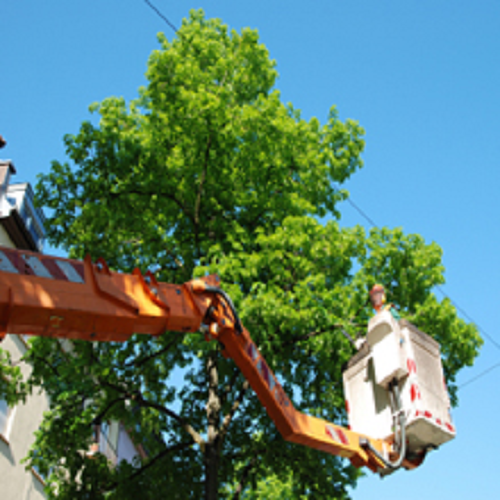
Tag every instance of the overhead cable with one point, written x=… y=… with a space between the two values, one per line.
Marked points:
x=477 y=377
x=464 y=313
x=161 y=15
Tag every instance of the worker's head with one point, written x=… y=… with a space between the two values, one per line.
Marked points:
x=377 y=296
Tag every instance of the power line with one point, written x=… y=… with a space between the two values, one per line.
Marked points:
x=363 y=214
x=464 y=313
x=482 y=374
x=483 y=332
x=161 y=15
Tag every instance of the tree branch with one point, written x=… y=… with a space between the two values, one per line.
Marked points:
x=53 y=369
x=229 y=417
x=213 y=402
x=141 y=401
x=202 y=182
x=245 y=475
x=232 y=381
x=150 y=463
x=170 y=196
x=98 y=418
x=144 y=360
x=306 y=336
x=180 y=420
x=166 y=451
x=212 y=454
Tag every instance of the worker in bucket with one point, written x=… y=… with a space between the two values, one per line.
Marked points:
x=378 y=300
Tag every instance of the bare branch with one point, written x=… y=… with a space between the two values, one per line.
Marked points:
x=150 y=463
x=180 y=420
x=245 y=475
x=98 y=418
x=144 y=360
x=229 y=417
x=52 y=368
x=213 y=402
x=202 y=182
x=228 y=387
x=141 y=401
x=164 y=194
x=166 y=451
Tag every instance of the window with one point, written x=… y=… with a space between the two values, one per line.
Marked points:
x=41 y=476
x=37 y=474
x=106 y=440
x=5 y=414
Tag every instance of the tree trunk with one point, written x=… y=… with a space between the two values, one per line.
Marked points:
x=211 y=472
x=213 y=416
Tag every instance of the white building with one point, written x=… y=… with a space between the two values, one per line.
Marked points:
x=21 y=226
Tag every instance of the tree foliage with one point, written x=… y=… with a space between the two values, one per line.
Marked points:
x=208 y=171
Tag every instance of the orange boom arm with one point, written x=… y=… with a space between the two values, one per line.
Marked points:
x=71 y=299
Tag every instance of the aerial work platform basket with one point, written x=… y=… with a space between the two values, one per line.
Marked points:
x=396 y=352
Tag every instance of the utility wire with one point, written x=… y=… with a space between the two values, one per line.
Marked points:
x=161 y=15
x=483 y=332
x=363 y=214
x=464 y=313
x=477 y=377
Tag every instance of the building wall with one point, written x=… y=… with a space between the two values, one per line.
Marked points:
x=17 y=483
x=20 y=197
x=125 y=449
x=5 y=240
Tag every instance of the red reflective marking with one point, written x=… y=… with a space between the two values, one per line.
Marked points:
x=336 y=434
x=265 y=372
x=412 y=366
x=251 y=350
x=427 y=414
x=10 y=257
x=54 y=269
x=24 y=267
x=438 y=421
x=342 y=436
x=328 y=432
x=414 y=392
x=77 y=266
x=16 y=260
x=347 y=409
x=80 y=269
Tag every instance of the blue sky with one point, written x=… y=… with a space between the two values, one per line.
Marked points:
x=422 y=78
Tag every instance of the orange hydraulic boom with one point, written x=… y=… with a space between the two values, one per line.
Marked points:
x=71 y=299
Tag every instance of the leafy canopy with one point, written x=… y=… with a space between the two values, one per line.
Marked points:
x=208 y=171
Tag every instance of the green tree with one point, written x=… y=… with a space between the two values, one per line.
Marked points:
x=207 y=170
